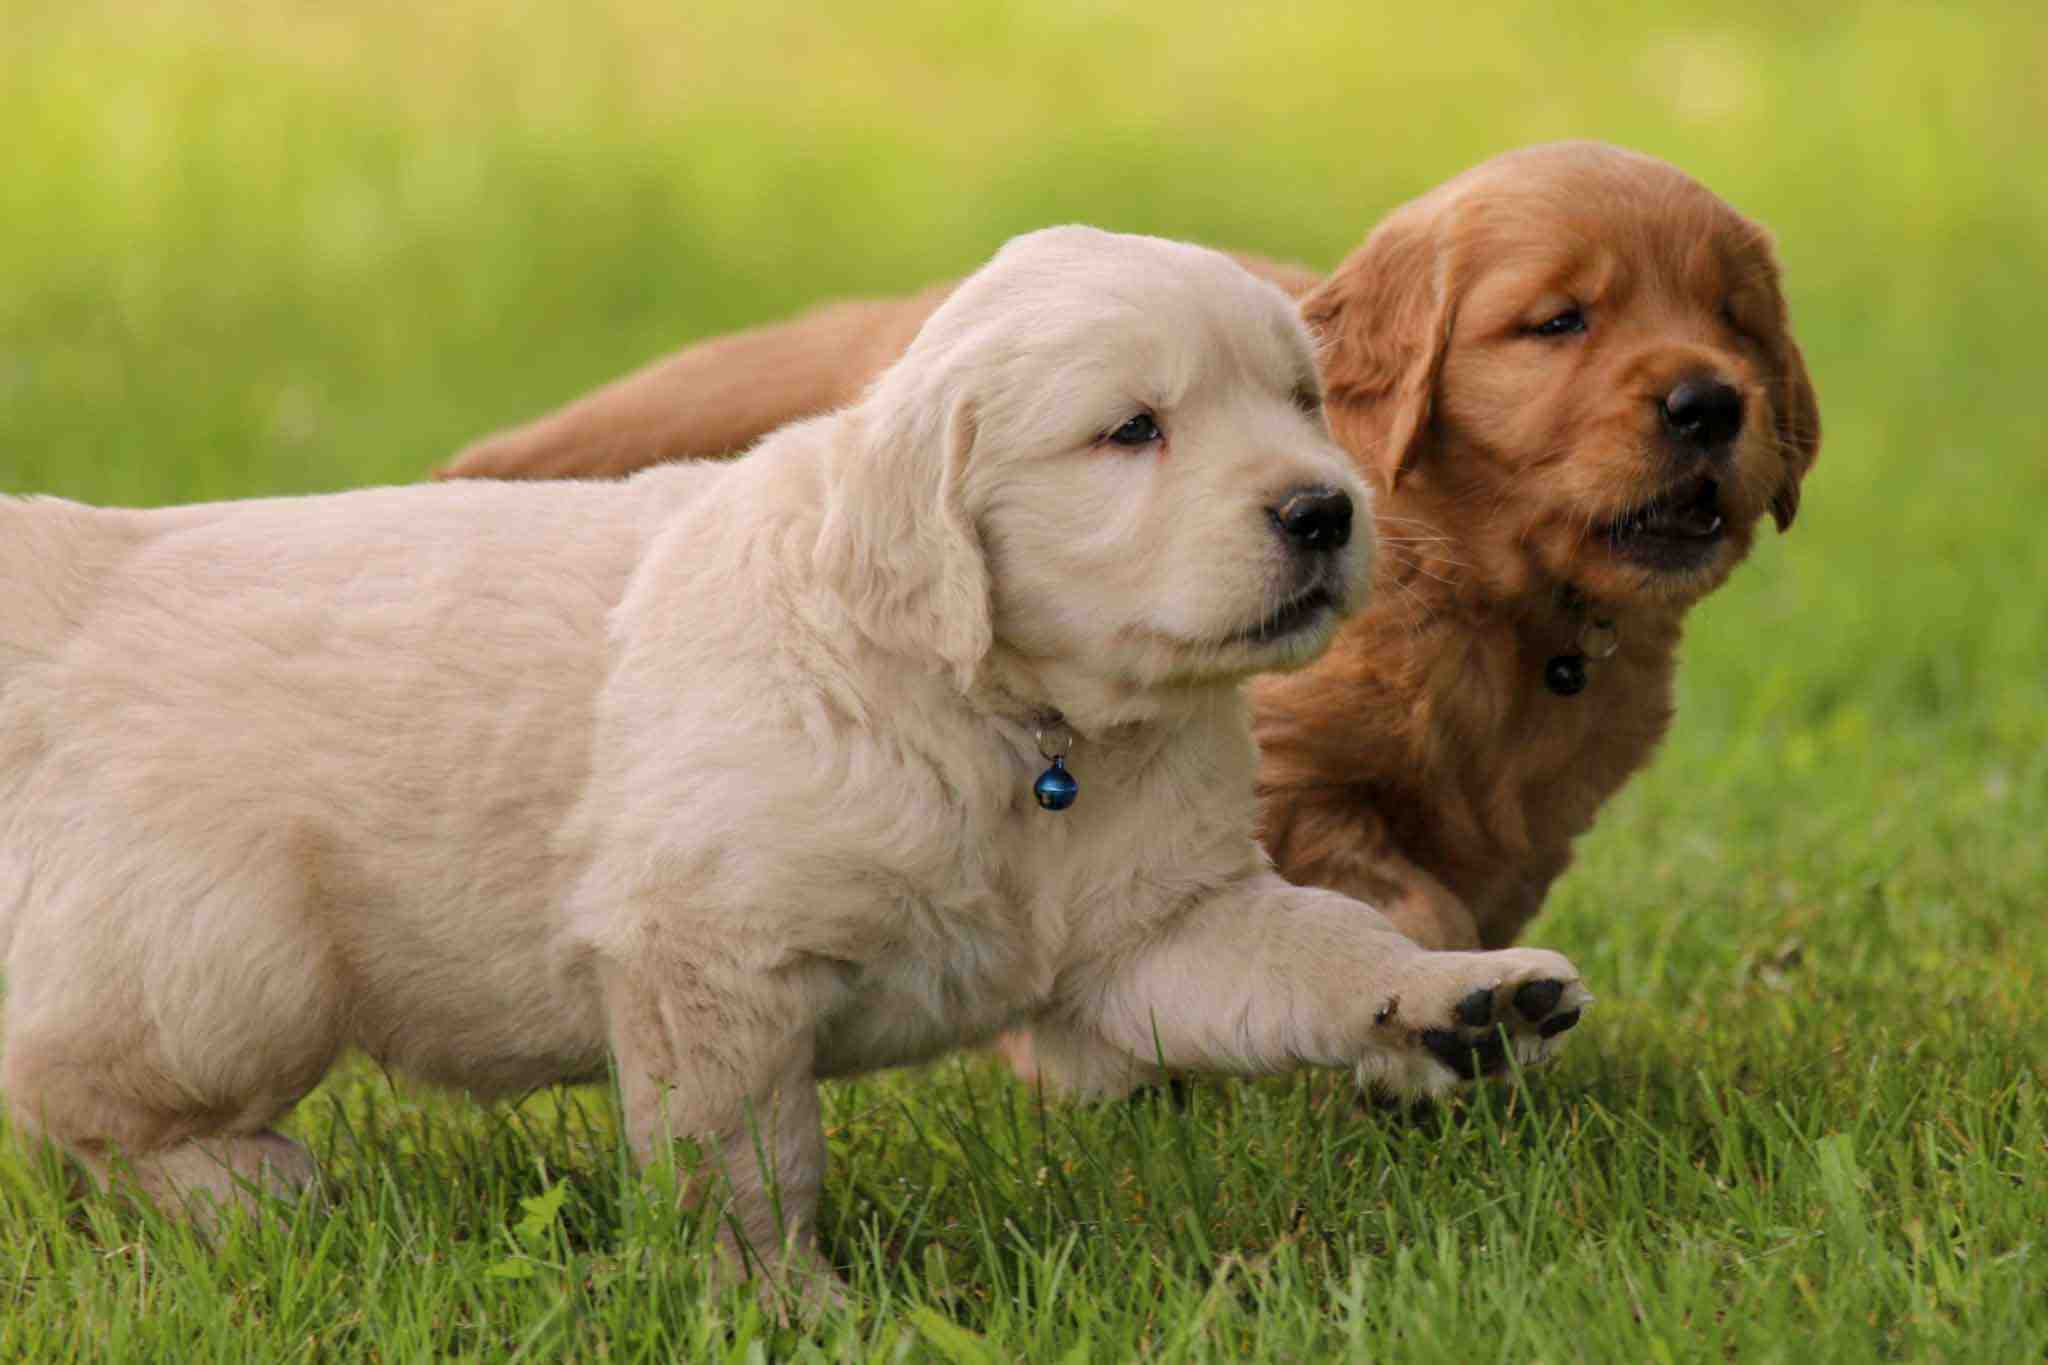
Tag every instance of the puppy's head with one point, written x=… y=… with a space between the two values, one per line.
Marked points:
x=1580 y=357
x=1124 y=455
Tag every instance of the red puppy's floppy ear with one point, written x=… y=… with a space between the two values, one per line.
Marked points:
x=1798 y=412
x=1795 y=409
x=1383 y=321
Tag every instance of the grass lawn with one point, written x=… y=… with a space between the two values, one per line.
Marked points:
x=267 y=248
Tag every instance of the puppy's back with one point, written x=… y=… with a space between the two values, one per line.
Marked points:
x=54 y=555
x=409 y=667
x=64 y=564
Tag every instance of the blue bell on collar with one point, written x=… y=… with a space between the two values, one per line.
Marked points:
x=1565 y=674
x=1055 y=787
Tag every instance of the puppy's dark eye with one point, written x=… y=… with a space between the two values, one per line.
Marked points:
x=1308 y=400
x=1564 y=324
x=1141 y=430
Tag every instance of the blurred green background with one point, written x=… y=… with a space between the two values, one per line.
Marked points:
x=252 y=248
x=258 y=248
x=279 y=247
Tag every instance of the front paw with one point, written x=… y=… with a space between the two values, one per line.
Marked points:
x=1460 y=1016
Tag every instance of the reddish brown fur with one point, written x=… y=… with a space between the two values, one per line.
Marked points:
x=719 y=396
x=1421 y=764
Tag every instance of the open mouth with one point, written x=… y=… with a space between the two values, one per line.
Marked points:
x=1678 y=528
x=1297 y=612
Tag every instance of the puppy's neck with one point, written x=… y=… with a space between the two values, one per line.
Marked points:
x=1440 y=567
x=1449 y=658
x=1023 y=690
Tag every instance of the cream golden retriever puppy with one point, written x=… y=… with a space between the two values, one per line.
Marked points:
x=723 y=774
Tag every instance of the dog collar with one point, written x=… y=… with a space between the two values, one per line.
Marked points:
x=1565 y=674
x=1055 y=787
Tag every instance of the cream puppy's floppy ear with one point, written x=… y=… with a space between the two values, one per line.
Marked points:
x=898 y=540
x=1383 y=321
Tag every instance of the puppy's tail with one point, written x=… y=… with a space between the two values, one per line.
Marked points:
x=714 y=398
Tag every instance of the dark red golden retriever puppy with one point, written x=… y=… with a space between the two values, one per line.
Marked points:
x=1570 y=377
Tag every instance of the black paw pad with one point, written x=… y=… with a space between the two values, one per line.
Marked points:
x=1538 y=998
x=1550 y=1028
x=1476 y=1009
x=1468 y=1058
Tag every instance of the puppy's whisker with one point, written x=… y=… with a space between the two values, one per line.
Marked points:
x=1414 y=540
x=1425 y=571
x=1386 y=518
x=1429 y=557
x=1404 y=563
x=1421 y=561
x=1414 y=623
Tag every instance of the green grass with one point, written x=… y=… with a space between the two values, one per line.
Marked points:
x=284 y=247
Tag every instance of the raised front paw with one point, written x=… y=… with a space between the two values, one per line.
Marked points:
x=1460 y=1016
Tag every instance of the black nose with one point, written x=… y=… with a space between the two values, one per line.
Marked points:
x=1703 y=412
x=1315 y=518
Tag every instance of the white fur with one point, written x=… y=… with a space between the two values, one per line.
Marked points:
x=722 y=772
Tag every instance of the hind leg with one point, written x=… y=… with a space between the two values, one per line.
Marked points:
x=203 y=1177
x=193 y=1162
x=159 y=1048
x=228 y=1170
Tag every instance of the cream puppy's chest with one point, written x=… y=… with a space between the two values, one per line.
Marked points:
x=1057 y=894
x=928 y=995
x=951 y=968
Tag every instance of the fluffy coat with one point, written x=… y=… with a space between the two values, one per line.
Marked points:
x=722 y=773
